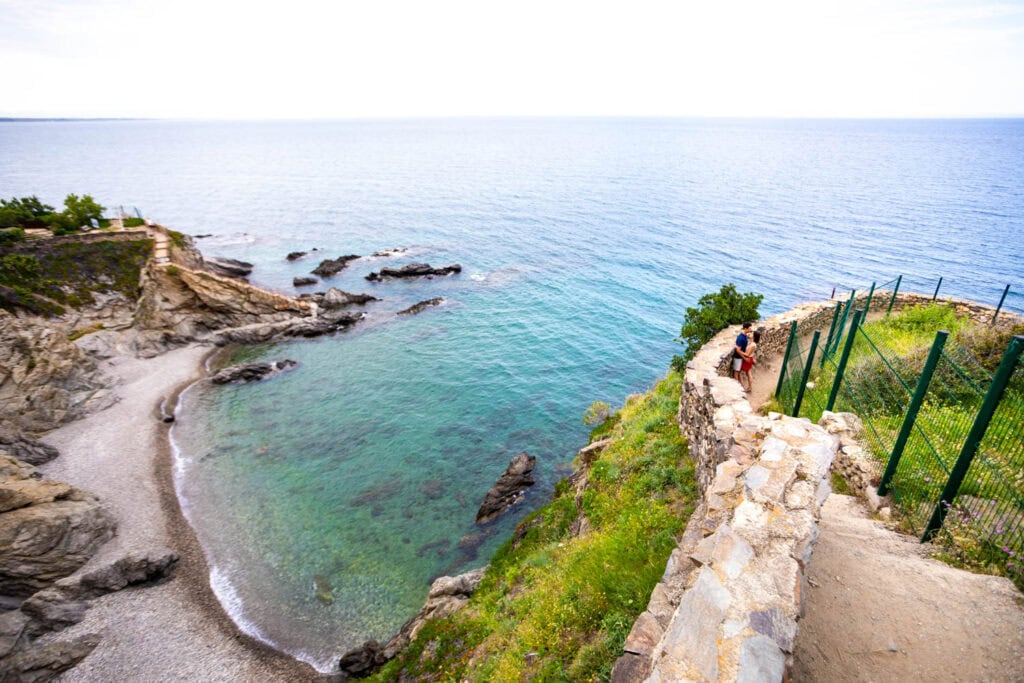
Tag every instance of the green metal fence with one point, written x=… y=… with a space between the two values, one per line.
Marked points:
x=945 y=432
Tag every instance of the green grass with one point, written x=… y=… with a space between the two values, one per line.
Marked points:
x=554 y=606
x=132 y=222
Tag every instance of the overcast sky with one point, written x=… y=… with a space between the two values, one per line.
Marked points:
x=332 y=59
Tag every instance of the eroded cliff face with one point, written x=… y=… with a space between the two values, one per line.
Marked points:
x=45 y=379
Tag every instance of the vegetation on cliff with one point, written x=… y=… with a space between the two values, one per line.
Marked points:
x=29 y=212
x=49 y=277
x=714 y=312
x=560 y=597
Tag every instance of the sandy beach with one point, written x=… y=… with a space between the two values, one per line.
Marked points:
x=174 y=631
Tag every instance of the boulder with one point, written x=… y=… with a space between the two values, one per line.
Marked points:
x=413 y=270
x=27 y=450
x=252 y=372
x=362 y=661
x=304 y=281
x=389 y=252
x=330 y=267
x=508 y=489
x=45 y=541
x=416 y=308
x=295 y=255
x=39 y=663
x=228 y=267
x=336 y=298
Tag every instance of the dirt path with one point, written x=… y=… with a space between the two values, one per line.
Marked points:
x=878 y=610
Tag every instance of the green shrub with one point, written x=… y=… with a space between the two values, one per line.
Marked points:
x=714 y=313
x=19 y=270
x=132 y=222
x=11 y=235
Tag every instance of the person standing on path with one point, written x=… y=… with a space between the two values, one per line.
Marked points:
x=750 y=360
x=739 y=352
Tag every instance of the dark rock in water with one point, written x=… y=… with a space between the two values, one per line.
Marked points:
x=416 y=308
x=329 y=267
x=27 y=450
x=508 y=489
x=295 y=255
x=251 y=372
x=364 y=660
x=336 y=298
x=414 y=270
x=301 y=327
x=304 y=281
x=389 y=252
x=439 y=546
x=199 y=237
x=432 y=488
x=228 y=267
x=324 y=591
x=471 y=541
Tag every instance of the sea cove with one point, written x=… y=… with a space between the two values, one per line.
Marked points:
x=329 y=496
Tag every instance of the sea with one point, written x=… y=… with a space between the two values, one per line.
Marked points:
x=327 y=498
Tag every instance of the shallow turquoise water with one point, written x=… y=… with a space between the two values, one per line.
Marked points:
x=582 y=243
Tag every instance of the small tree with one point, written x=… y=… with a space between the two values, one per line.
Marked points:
x=82 y=209
x=715 y=312
x=19 y=270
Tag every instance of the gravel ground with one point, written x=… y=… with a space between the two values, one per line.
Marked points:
x=175 y=631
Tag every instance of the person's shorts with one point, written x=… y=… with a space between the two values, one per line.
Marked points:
x=737 y=363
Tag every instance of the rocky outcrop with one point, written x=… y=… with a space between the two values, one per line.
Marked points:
x=45 y=662
x=336 y=298
x=25 y=449
x=508 y=489
x=448 y=594
x=252 y=372
x=295 y=255
x=304 y=327
x=413 y=270
x=65 y=603
x=331 y=267
x=48 y=529
x=416 y=308
x=383 y=253
x=304 y=281
x=228 y=267
x=45 y=379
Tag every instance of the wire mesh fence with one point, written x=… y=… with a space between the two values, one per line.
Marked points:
x=921 y=401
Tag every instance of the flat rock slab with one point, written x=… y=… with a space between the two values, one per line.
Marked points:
x=878 y=610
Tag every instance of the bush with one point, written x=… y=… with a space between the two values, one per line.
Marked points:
x=19 y=270
x=132 y=222
x=716 y=311
x=11 y=235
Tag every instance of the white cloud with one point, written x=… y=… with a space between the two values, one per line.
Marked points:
x=305 y=59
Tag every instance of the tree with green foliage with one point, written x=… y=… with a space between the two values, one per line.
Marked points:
x=715 y=312
x=11 y=235
x=82 y=210
x=16 y=212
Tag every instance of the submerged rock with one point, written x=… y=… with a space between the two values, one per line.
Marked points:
x=228 y=267
x=295 y=255
x=416 y=308
x=389 y=252
x=252 y=372
x=508 y=489
x=414 y=270
x=304 y=281
x=329 y=267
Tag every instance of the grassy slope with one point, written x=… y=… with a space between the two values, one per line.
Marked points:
x=554 y=606
x=71 y=273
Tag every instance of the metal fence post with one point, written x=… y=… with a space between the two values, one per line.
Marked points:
x=806 y=373
x=851 y=335
x=936 y=294
x=831 y=329
x=894 y=291
x=1000 y=306
x=915 y=404
x=842 y=323
x=785 y=358
x=977 y=433
x=867 y=304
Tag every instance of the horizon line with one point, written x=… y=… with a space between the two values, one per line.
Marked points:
x=420 y=117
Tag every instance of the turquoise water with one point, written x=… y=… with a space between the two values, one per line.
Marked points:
x=328 y=497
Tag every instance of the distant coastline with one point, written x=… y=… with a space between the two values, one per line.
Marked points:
x=70 y=119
